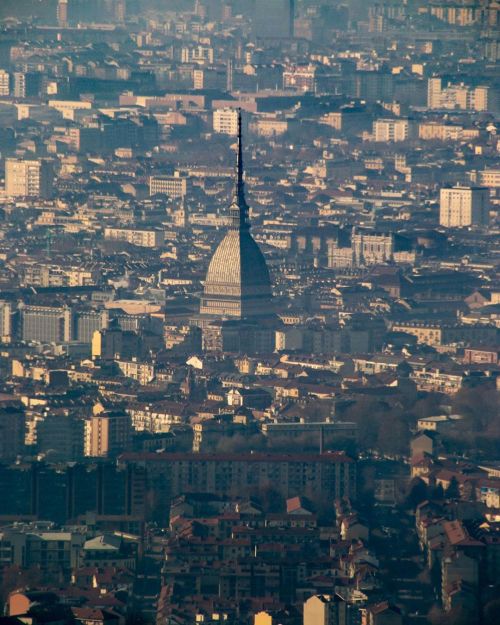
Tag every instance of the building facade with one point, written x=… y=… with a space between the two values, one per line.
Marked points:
x=328 y=476
x=46 y=324
x=28 y=178
x=173 y=186
x=464 y=206
x=225 y=121
x=140 y=238
x=106 y=434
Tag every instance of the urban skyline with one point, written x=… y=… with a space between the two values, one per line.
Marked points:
x=249 y=312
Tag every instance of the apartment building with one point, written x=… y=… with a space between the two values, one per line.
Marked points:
x=107 y=433
x=142 y=372
x=319 y=430
x=436 y=131
x=391 y=130
x=45 y=324
x=173 y=186
x=28 y=178
x=6 y=321
x=49 y=549
x=4 y=83
x=301 y=78
x=12 y=426
x=457 y=96
x=139 y=238
x=329 y=475
x=225 y=121
x=489 y=178
x=460 y=207
x=445 y=334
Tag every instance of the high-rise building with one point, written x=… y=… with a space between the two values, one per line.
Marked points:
x=107 y=434
x=28 y=178
x=274 y=18
x=62 y=13
x=457 y=96
x=120 y=11
x=328 y=475
x=5 y=321
x=111 y=342
x=12 y=425
x=86 y=322
x=479 y=98
x=61 y=437
x=464 y=206
x=209 y=78
x=371 y=85
x=4 y=83
x=46 y=324
x=27 y=84
x=386 y=130
x=225 y=121
x=434 y=87
x=66 y=493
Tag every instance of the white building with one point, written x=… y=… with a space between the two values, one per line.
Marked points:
x=390 y=130
x=434 y=87
x=68 y=108
x=4 y=82
x=464 y=206
x=141 y=238
x=225 y=121
x=5 y=321
x=456 y=96
x=489 y=178
x=173 y=186
x=28 y=178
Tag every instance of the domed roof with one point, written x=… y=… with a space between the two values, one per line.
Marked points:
x=237 y=285
x=239 y=266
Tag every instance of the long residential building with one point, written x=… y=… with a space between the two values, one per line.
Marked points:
x=140 y=238
x=46 y=324
x=445 y=334
x=326 y=476
x=173 y=186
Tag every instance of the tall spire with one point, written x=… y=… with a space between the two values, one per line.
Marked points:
x=239 y=206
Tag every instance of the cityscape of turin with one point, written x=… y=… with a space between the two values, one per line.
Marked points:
x=249 y=312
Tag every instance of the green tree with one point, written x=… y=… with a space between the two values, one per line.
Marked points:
x=417 y=493
x=437 y=492
x=481 y=407
x=491 y=612
x=453 y=489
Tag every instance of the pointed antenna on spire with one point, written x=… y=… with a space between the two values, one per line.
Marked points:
x=239 y=161
x=239 y=207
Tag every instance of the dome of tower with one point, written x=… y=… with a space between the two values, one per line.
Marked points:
x=239 y=266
